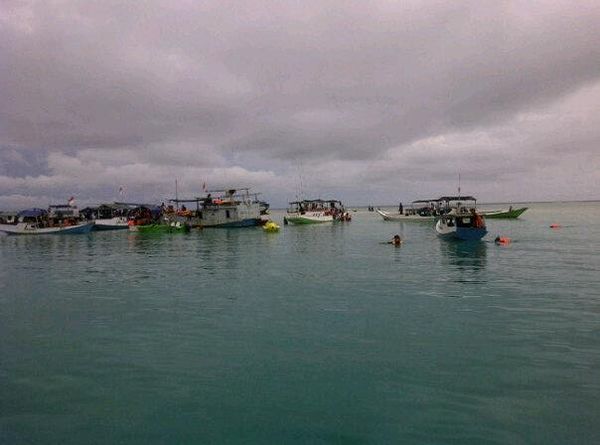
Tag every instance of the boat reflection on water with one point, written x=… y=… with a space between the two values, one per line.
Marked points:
x=466 y=260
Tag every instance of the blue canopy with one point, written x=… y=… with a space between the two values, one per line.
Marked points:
x=32 y=213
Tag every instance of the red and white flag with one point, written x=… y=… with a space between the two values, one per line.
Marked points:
x=71 y=201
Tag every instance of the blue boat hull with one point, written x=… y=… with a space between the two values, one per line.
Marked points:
x=469 y=233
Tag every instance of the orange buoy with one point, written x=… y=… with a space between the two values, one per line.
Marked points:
x=502 y=240
x=555 y=226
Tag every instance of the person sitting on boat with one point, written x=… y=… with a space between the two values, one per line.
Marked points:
x=478 y=221
x=396 y=240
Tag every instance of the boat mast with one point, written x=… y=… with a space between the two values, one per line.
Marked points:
x=176 y=196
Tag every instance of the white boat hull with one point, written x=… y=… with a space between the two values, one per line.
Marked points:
x=116 y=223
x=298 y=218
x=387 y=216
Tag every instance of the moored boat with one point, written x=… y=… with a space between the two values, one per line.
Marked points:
x=461 y=222
x=315 y=211
x=390 y=216
x=42 y=222
x=222 y=209
x=424 y=210
x=509 y=213
x=143 y=215
x=109 y=216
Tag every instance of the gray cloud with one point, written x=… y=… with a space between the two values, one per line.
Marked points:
x=373 y=102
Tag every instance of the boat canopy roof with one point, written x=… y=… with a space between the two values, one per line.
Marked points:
x=425 y=201
x=445 y=199
x=117 y=206
x=457 y=198
x=187 y=200
x=220 y=194
x=132 y=205
x=231 y=191
x=32 y=213
x=318 y=201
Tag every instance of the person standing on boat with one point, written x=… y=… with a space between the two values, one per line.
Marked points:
x=400 y=209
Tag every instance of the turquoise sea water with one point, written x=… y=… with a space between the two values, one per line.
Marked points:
x=314 y=335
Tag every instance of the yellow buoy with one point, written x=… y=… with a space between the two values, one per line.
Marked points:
x=270 y=226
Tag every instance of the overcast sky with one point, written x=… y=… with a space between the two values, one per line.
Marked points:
x=366 y=101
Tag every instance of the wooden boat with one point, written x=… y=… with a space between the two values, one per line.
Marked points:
x=389 y=216
x=221 y=208
x=143 y=215
x=509 y=213
x=33 y=229
x=109 y=216
x=461 y=222
x=425 y=210
x=41 y=222
x=315 y=211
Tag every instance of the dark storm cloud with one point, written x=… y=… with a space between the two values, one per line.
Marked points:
x=250 y=90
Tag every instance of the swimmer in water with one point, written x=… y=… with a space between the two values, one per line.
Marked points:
x=396 y=241
x=502 y=240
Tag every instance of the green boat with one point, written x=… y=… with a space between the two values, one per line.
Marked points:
x=174 y=227
x=509 y=213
